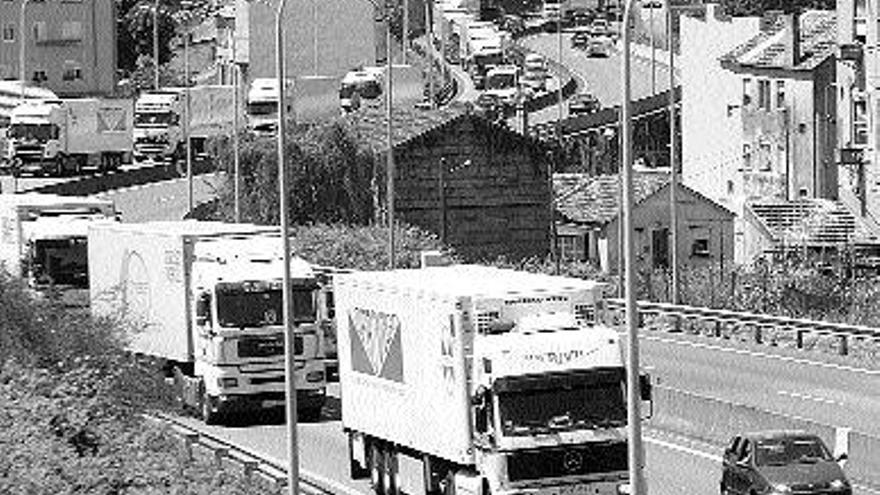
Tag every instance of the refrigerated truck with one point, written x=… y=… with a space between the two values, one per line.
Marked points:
x=483 y=379
x=43 y=241
x=67 y=136
x=204 y=299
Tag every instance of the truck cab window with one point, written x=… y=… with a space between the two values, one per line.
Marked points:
x=203 y=310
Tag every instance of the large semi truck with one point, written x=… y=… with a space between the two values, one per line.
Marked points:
x=67 y=136
x=479 y=380
x=204 y=299
x=43 y=240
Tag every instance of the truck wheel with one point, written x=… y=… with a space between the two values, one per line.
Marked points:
x=390 y=471
x=377 y=468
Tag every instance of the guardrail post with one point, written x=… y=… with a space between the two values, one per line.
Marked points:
x=188 y=440
x=759 y=335
x=844 y=345
x=248 y=468
x=841 y=443
x=219 y=454
x=799 y=338
x=718 y=333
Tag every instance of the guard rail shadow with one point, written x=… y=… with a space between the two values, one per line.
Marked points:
x=97 y=184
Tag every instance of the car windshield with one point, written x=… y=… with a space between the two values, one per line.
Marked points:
x=262 y=107
x=501 y=81
x=61 y=261
x=783 y=451
x=575 y=407
x=241 y=307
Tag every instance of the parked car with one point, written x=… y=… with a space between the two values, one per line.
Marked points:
x=599 y=46
x=600 y=27
x=583 y=103
x=781 y=463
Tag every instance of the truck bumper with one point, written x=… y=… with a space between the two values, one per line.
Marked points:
x=306 y=400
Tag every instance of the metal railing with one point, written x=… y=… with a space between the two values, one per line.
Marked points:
x=721 y=317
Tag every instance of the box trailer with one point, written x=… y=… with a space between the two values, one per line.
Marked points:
x=205 y=300
x=489 y=380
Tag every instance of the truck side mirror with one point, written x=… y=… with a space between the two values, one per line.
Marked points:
x=203 y=310
x=645 y=387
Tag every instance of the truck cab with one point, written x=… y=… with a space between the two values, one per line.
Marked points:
x=158 y=125
x=503 y=82
x=262 y=105
x=359 y=85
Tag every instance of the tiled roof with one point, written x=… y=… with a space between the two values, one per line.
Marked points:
x=811 y=222
x=818 y=34
x=596 y=199
x=407 y=123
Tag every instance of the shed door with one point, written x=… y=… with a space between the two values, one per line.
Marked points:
x=660 y=247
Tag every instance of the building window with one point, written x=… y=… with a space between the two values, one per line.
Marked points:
x=747 y=92
x=568 y=247
x=765 y=158
x=764 y=94
x=860 y=121
x=40 y=31
x=730 y=188
x=700 y=248
x=72 y=72
x=9 y=33
x=71 y=30
x=747 y=157
x=780 y=95
x=39 y=76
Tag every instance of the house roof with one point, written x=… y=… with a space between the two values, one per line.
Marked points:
x=411 y=123
x=581 y=198
x=818 y=35
x=810 y=221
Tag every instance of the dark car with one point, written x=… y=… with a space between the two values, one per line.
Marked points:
x=781 y=463
x=583 y=103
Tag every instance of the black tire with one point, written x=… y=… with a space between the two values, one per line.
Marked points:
x=356 y=471
x=376 y=461
x=390 y=459
x=209 y=415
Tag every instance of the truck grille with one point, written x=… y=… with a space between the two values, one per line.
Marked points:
x=575 y=461
x=264 y=380
x=251 y=347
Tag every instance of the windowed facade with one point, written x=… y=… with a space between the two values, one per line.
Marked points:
x=780 y=95
x=859 y=121
x=764 y=94
x=72 y=72
x=71 y=31
x=40 y=31
x=747 y=92
x=9 y=33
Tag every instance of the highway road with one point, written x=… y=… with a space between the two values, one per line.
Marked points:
x=601 y=75
x=163 y=200
x=809 y=385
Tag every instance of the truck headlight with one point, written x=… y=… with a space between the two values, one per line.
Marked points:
x=781 y=489
x=315 y=376
x=624 y=489
x=227 y=382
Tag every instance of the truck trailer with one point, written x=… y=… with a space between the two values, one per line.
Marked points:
x=204 y=299
x=479 y=380
x=67 y=136
x=43 y=241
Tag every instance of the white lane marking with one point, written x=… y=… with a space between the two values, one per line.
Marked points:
x=838 y=367
x=682 y=448
x=814 y=398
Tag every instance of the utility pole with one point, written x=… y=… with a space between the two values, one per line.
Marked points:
x=186 y=122
x=235 y=128
x=289 y=329
x=389 y=156
x=22 y=61
x=673 y=165
x=156 y=44
x=404 y=42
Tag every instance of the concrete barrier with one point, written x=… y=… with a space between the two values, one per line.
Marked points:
x=716 y=421
x=96 y=184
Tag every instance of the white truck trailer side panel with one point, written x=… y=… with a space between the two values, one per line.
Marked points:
x=402 y=367
x=97 y=124
x=140 y=278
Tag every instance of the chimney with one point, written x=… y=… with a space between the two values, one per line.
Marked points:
x=791 y=37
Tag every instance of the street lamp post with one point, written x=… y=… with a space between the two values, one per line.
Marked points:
x=236 y=162
x=289 y=364
x=156 y=44
x=186 y=123
x=22 y=74
x=389 y=155
x=633 y=397
x=673 y=167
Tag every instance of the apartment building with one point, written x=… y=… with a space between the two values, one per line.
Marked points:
x=858 y=89
x=70 y=45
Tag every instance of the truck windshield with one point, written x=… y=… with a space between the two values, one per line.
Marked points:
x=154 y=119
x=60 y=262
x=573 y=406
x=40 y=132
x=486 y=60
x=501 y=81
x=241 y=306
x=262 y=107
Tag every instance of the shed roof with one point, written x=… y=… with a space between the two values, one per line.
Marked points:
x=811 y=222
x=818 y=35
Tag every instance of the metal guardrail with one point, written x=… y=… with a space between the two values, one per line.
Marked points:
x=253 y=465
x=801 y=326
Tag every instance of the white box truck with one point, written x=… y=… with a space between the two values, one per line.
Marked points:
x=479 y=380
x=43 y=240
x=205 y=300
x=66 y=136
